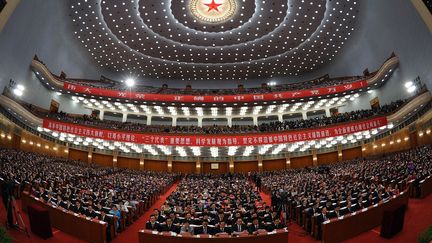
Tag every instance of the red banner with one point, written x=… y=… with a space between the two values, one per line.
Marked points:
x=212 y=98
x=216 y=140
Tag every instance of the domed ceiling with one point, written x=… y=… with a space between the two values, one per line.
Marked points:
x=213 y=39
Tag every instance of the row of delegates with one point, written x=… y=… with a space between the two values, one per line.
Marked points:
x=220 y=228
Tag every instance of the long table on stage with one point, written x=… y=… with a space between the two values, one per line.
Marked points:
x=348 y=226
x=148 y=236
x=90 y=230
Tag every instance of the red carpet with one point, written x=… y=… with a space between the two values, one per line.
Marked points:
x=19 y=236
x=296 y=233
x=129 y=235
x=417 y=219
x=131 y=232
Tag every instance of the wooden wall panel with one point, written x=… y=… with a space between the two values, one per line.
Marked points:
x=244 y=167
x=78 y=155
x=155 y=165
x=353 y=153
x=426 y=138
x=399 y=141
x=128 y=163
x=327 y=158
x=184 y=167
x=271 y=165
x=223 y=168
x=102 y=159
x=6 y=141
x=301 y=162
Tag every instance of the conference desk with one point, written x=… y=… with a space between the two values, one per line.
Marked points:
x=148 y=236
x=348 y=226
x=90 y=230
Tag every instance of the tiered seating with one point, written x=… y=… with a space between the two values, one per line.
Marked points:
x=235 y=129
x=116 y=196
x=315 y=195
x=214 y=205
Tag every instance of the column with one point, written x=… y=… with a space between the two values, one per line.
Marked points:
x=288 y=160
x=340 y=155
x=260 y=163
x=90 y=155
x=174 y=121
x=124 y=119
x=115 y=155
x=314 y=157
x=304 y=114
x=280 y=117
x=229 y=121
x=141 y=162
x=200 y=119
x=198 y=165
x=149 y=120
x=231 y=164
x=101 y=115
x=327 y=112
x=66 y=151
x=363 y=146
x=170 y=160
x=255 y=120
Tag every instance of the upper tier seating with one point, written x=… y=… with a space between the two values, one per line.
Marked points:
x=105 y=83
x=265 y=127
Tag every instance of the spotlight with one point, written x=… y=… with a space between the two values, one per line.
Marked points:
x=130 y=82
x=20 y=87
x=409 y=84
x=412 y=89
x=18 y=90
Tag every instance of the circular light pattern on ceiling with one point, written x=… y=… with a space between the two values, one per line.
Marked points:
x=262 y=39
x=212 y=12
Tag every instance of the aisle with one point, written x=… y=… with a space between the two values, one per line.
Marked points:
x=129 y=235
x=58 y=236
x=296 y=233
x=131 y=232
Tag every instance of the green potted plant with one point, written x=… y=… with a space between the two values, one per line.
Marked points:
x=4 y=237
x=426 y=237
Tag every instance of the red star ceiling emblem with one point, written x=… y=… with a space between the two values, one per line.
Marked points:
x=213 y=6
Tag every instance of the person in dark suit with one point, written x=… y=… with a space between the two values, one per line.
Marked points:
x=238 y=227
x=348 y=209
x=77 y=208
x=174 y=219
x=90 y=212
x=103 y=217
x=336 y=213
x=255 y=226
x=321 y=218
x=169 y=226
x=204 y=229
x=275 y=226
x=221 y=228
x=258 y=183
x=152 y=224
